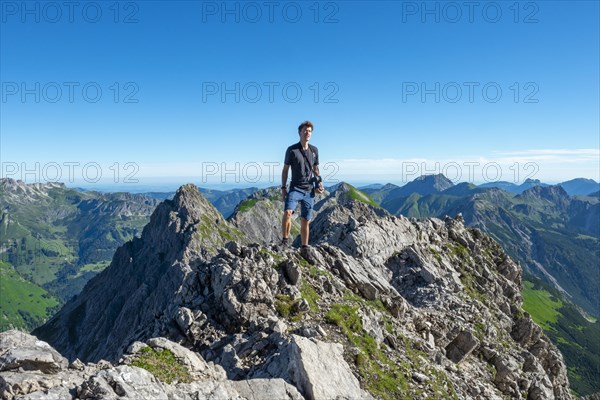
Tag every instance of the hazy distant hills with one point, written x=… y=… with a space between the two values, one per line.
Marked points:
x=514 y=188
x=578 y=186
x=427 y=184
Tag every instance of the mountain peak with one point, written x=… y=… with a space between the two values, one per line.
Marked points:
x=188 y=196
x=16 y=186
x=435 y=177
x=436 y=182
x=345 y=193
x=580 y=186
x=548 y=192
x=423 y=185
x=555 y=194
x=142 y=279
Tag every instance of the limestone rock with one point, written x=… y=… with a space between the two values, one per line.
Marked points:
x=123 y=382
x=19 y=350
x=266 y=389
x=461 y=346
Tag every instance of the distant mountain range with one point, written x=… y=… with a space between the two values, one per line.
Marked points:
x=437 y=183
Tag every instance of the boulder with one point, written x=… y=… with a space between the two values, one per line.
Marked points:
x=19 y=350
x=461 y=346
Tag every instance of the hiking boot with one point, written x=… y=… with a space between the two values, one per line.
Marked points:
x=284 y=244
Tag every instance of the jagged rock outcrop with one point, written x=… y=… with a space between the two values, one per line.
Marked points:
x=20 y=378
x=342 y=194
x=384 y=306
x=259 y=217
x=135 y=296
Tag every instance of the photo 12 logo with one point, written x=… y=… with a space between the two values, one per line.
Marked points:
x=253 y=12
x=269 y=92
x=70 y=171
x=453 y=12
x=53 y=12
x=254 y=172
x=469 y=92
x=69 y=92
x=470 y=171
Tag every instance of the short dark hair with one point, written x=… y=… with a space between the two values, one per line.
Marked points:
x=305 y=124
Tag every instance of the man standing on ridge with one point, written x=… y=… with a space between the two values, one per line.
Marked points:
x=306 y=181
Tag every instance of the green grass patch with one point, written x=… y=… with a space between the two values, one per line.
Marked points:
x=541 y=305
x=287 y=307
x=214 y=234
x=377 y=304
x=246 y=205
x=572 y=333
x=480 y=331
x=315 y=272
x=381 y=376
x=95 y=267
x=310 y=295
x=358 y=195
x=276 y=257
x=458 y=250
x=436 y=254
x=163 y=365
x=22 y=303
x=468 y=281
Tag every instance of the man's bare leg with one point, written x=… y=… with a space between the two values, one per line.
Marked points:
x=286 y=224
x=304 y=231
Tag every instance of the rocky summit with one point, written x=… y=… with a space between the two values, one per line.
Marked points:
x=379 y=307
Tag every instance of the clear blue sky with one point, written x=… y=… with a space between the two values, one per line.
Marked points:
x=373 y=57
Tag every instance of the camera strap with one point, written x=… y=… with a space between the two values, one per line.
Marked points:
x=310 y=164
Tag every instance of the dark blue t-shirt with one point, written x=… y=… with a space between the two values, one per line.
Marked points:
x=301 y=169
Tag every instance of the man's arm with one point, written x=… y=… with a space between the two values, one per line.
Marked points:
x=284 y=176
x=316 y=170
x=320 y=189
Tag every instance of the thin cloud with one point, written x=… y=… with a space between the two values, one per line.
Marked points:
x=592 y=152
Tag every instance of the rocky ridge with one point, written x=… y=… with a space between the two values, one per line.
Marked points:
x=259 y=217
x=381 y=306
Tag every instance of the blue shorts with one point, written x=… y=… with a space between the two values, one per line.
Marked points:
x=306 y=199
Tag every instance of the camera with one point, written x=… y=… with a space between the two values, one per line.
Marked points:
x=316 y=182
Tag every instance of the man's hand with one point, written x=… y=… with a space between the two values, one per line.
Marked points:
x=320 y=189
x=283 y=192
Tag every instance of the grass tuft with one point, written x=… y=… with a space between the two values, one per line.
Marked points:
x=163 y=365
